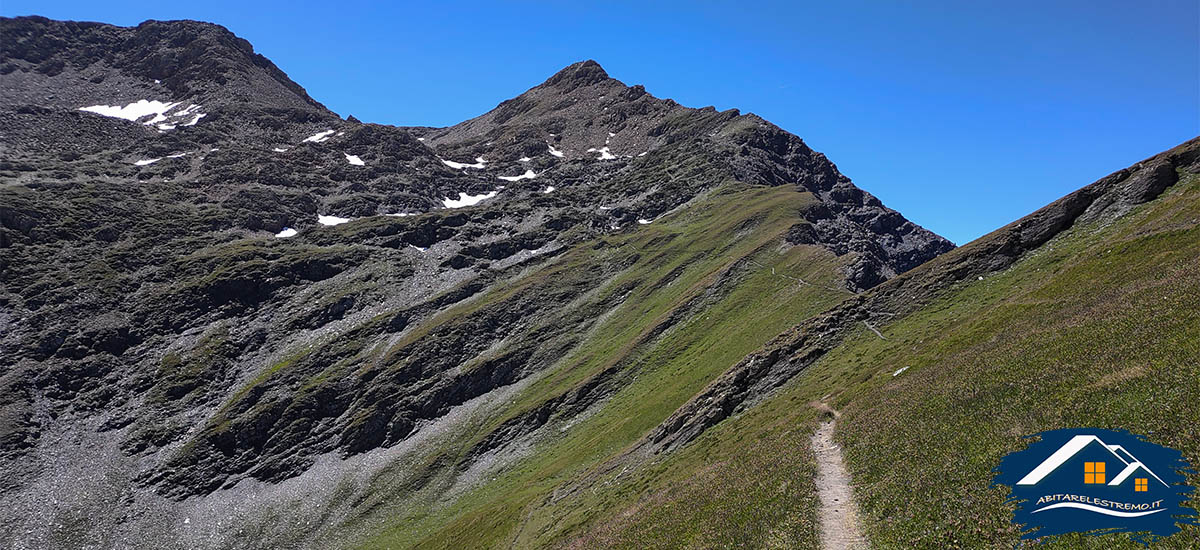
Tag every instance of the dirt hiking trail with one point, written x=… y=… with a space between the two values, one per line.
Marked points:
x=838 y=515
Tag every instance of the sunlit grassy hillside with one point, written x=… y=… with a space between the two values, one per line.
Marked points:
x=1098 y=327
x=699 y=290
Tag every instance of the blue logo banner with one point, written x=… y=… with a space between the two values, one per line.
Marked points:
x=1095 y=481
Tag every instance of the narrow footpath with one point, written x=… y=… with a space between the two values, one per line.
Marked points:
x=838 y=513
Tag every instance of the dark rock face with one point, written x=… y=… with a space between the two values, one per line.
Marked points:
x=580 y=110
x=145 y=301
x=183 y=59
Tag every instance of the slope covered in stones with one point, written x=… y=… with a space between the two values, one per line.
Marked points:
x=214 y=322
x=52 y=68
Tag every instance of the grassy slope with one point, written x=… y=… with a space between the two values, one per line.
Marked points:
x=746 y=483
x=1097 y=328
x=680 y=260
x=1100 y=328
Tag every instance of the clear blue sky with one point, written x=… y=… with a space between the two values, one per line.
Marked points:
x=964 y=116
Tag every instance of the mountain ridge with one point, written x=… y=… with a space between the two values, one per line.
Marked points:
x=199 y=55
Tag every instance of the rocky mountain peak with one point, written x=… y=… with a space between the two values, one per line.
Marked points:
x=582 y=73
x=128 y=82
x=71 y=64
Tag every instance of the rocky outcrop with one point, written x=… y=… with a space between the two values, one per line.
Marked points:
x=581 y=109
x=68 y=63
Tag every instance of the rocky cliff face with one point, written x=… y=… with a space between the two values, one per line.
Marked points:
x=211 y=281
x=66 y=64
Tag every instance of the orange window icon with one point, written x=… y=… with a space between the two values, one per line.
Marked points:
x=1140 y=485
x=1093 y=472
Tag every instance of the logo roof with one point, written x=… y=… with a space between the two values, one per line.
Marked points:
x=1078 y=443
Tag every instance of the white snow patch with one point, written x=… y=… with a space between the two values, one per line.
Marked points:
x=400 y=214
x=134 y=111
x=287 y=232
x=166 y=115
x=331 y=220
x=643 y=153
x=479 y=164
x=606 y=208
x=524 y=159
x=605 y=154
x=548 y=189
x=420 y=139
x=319 y=136
x=528 y=175
x=554 y=151
x=353 y=159
x=146 y=161
x=644 y=221
x=610 y=134
x=176 y=155
x=900 y=370
x=280 y=149
x=422 y=249
x=466 y=200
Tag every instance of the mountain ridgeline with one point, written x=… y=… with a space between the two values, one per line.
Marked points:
x=232 y=318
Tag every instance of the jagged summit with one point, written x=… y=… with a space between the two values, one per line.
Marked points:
x=582 y=73
x=184 y=71
x=583 y=114
x=48 y=62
